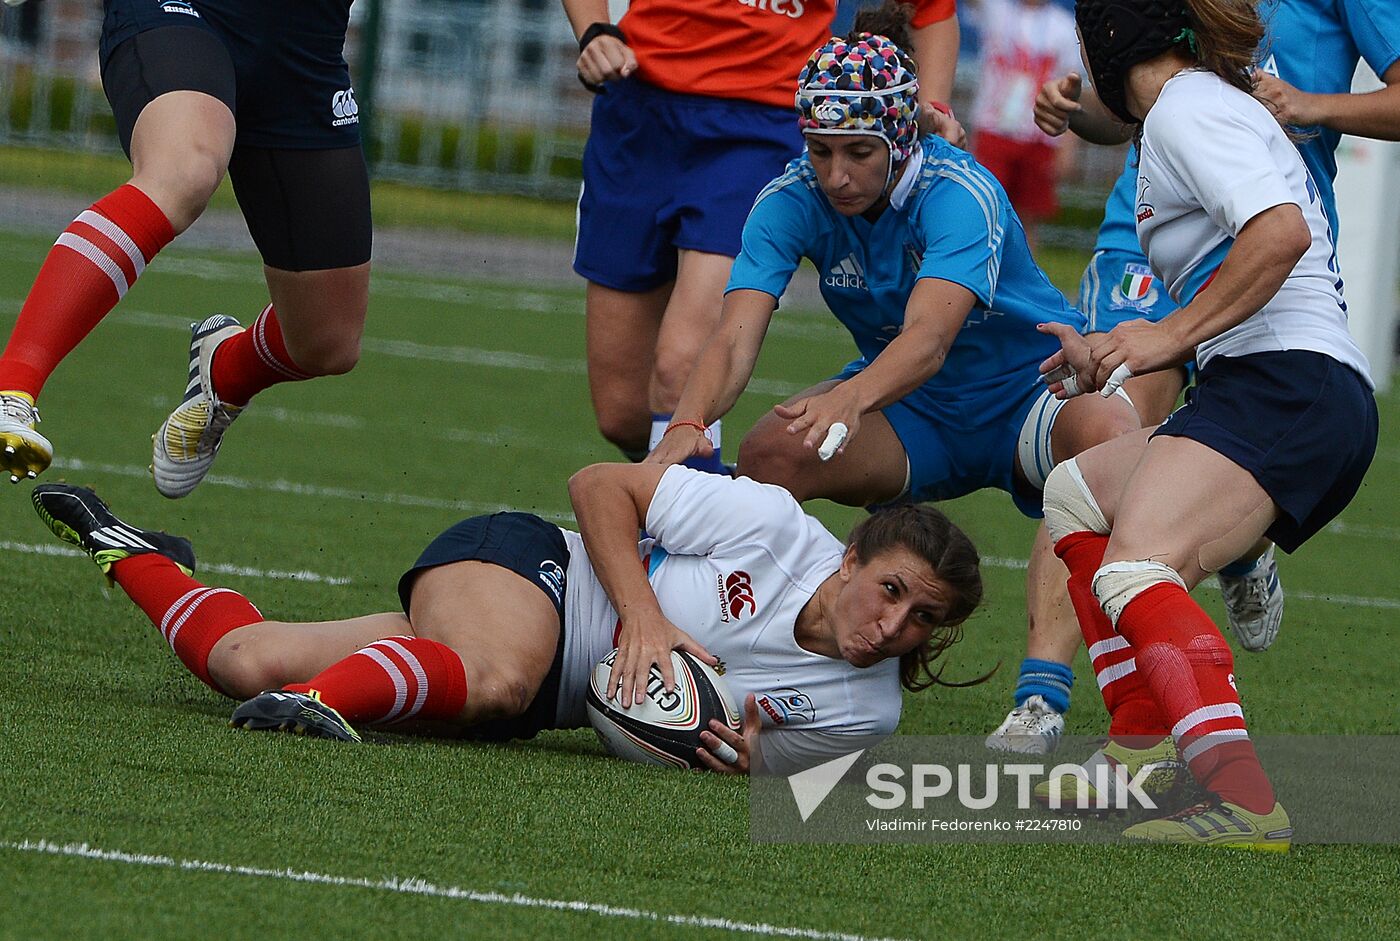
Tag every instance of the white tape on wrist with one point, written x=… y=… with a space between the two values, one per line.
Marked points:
x=835 y=437
x=725 y=753
x=1116 y=379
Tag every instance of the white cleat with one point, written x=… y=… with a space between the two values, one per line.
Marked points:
x=1032 y=728
x=1254 y=603
x=24 y=453
x=186 y=444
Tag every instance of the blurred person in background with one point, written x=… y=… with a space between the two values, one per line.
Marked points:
x=260 y=91
x=693 y=117
x=1024 y=43
x=1306 y=62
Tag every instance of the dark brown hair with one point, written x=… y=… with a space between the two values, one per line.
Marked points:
x=931 y=536
x=1228 y=34
x=891 y=19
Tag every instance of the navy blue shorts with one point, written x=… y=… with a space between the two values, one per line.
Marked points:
x=664 y=172
x=1301 y=423
x=289 y=81
x=533 y=549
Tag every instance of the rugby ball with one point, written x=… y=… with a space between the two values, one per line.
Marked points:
x=663 y=729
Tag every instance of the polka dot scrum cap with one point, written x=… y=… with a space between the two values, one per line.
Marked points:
x=863 y=87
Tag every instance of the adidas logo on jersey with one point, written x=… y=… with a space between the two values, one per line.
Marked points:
x=847 y=274
x=344 y=108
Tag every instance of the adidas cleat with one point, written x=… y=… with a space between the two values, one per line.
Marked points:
x=1254 y=603
x=24 y=453
x=300 y=713
x=79 y=517
x=1099 y=784
x=1219 y=823
x=1032 y=728
x=186 y=444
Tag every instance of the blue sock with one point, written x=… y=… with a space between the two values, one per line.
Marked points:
x=711 y=464
x=1047 y=679
x=1240 y=567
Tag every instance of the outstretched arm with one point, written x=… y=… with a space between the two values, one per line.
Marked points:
x=611 y=502
x=932 y=318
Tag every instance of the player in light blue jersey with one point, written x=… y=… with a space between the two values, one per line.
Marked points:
x=1306 y=64
x=923 y=260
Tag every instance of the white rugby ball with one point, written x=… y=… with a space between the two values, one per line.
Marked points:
x=663 y=729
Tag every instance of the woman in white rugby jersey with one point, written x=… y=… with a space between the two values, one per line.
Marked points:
x=505 y=616
x=1278 y=430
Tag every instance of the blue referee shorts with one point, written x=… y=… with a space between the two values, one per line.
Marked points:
x=664 y=172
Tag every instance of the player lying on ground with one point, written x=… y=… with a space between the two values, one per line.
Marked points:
x=259 y=91
x=1307 y=60
x=1277 y=432
x=505 y=616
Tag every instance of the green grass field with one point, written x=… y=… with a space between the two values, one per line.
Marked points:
x=472 y=396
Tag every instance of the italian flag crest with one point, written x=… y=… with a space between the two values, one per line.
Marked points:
x=1137 y=281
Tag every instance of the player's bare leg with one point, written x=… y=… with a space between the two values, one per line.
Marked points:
x=1042 y=693
x=621 y=336
x=180 y=148
x=692 y=314
x=273 y=654
x=872 y=469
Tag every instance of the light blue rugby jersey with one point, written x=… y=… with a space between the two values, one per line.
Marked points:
x=955 y=224
x=1313 y=45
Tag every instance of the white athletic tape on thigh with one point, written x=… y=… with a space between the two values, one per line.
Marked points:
x=1070 y=506
x=1033 y=444
x=1118 y=583
x=835 y=437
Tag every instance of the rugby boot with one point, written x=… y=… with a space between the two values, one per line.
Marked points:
x=24 y=453
x=188 y=440
x=300 y=713
x=79 y=517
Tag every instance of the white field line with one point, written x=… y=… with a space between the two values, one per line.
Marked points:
x=416 y=886
x=220 y=568
x=310 y=490
x=465 y=355
x=803 y=326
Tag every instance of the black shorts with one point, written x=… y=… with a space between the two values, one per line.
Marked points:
x=303 y=188
x=1302 y=423
x=533 y=549
x=289 y=87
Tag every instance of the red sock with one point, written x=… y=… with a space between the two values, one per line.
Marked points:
x=246 y=364
x=1132 y=710
x=393 y=679
x=93 y=263
x=190 y=616
x=1189 y=668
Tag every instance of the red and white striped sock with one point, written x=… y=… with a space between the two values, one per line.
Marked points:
x=253 y=360
x=392 y=680
x=1133 y=711
x=191 y=617
x=91 y=266
x=1190 y=670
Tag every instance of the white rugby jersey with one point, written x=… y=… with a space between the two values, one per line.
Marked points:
x=1213 y=158
x=738 y=561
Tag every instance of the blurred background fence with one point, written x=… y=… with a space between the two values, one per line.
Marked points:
x=475 y=95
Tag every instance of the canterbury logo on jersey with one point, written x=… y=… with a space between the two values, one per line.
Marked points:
x=790 y=8
x=846 y=274
x=344 y=108
x=735 y=594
